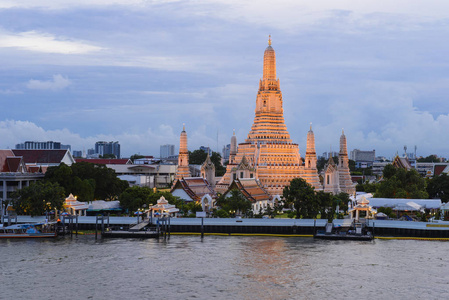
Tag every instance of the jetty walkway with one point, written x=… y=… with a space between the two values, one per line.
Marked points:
x=386 y=228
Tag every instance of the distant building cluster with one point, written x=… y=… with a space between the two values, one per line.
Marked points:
x=363 y=159
x=101 y=149
x=49 y=145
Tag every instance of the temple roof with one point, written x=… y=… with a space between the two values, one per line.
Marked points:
x=251 y=189
x=41 y=156
x=195 y=187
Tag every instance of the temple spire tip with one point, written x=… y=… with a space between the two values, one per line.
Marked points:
x=269 y=40
x=183 y=126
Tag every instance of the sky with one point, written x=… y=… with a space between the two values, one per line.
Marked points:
x=81 y=71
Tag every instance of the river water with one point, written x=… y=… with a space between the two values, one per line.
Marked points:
x=221 y=267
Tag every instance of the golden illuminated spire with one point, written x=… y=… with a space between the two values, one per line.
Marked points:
x=269 y=40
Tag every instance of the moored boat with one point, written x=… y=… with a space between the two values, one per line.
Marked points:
x=357 y=231
x=37 y=230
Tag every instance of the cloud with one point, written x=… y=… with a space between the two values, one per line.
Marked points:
x=58 y=83
x=44 y=42
x=144 y=141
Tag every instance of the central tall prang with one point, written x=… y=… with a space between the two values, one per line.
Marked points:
x=269 y=120
x=268 y=153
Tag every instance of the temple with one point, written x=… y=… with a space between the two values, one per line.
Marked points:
x=337 y=179
x=183 y=158
x=268 y=153
x=268 y=156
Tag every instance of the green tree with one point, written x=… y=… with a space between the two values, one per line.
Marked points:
x=39 y=197
x=341 y=200
x=389 y=171
x=235 y=203
x=438 y=187
x=400 y=183
x=135 y=197
x=326 y=205
x=302 y=196
x=430 y=158
x=197 y=157
x=102 y=180
x=110 y=156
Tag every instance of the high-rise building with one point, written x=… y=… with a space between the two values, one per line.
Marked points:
x=103 y=148
x=77 y=153
x=226 y=151
x=167 y=150
x=49 y=145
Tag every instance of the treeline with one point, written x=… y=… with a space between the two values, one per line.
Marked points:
x=400 y=183
x=309 y=204
x=85 y=180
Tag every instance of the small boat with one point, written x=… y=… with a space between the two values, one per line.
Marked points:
x=356 y=232
x=34 y=230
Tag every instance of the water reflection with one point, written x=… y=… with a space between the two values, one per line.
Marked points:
x=222 y=267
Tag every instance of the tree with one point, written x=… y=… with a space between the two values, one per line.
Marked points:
x=341 y=200
x=302 y=196
x=438 y=187
x=135 y=197
x=110 y=156
x=39 y=197
x=389 y=171
x=326 y=205
x=197 y=157
x=235 y=203
x=430 y=158
x=80 y=178
x=400 y=183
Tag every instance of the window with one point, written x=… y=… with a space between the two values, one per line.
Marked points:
x=241 y=174
x=234 y=176
x=328 y=179
x=251 y=175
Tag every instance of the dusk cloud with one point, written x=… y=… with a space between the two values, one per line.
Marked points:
x=58 y=82
x=44 y=42
x=135 y=71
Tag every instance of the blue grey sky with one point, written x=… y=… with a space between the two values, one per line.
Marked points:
x=79 y=71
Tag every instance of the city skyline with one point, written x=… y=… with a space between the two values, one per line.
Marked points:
x=140 y=70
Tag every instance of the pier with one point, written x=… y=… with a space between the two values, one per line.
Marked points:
x=293 y=227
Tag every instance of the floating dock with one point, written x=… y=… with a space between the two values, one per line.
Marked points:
x=284 y=227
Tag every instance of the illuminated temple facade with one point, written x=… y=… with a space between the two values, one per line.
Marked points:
x=268 y=152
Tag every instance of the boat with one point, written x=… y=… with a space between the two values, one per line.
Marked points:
x=357 y=231
x=141 y=230
x=32 y=230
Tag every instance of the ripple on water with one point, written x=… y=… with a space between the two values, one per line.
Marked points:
x=222 y=268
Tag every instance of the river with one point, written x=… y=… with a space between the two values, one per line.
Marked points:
x=221 y=267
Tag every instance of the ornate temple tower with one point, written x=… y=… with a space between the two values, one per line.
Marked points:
x=310 y=173
x=346 y=185
x=331 y=178
x=268 y=147
x=208 y=171
x=183 y=158
x=233 y=150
